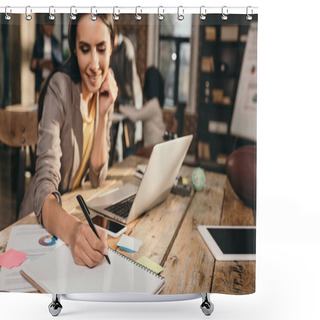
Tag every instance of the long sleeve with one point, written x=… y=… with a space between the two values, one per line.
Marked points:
x=146 y=112
x=151 y=115
x=60 y=146
x=49 y=151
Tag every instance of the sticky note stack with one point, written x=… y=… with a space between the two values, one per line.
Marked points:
x=129 y=244
x=12 y=258
x=151 y=265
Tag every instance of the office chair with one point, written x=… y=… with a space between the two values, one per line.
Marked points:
x=19 y=129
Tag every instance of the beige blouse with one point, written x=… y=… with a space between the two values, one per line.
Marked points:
x=60 y=146
x=88 y=133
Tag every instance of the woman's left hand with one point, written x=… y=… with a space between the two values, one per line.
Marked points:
x=108 y=94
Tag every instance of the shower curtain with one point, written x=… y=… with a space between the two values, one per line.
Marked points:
x=201 y=237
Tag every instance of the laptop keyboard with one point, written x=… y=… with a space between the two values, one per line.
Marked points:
x=122 y=208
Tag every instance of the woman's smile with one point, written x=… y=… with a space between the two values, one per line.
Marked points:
x=94 y=79
x=93 y=49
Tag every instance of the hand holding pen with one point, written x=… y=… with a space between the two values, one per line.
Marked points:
x=98 y=244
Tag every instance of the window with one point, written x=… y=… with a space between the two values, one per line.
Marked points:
x=64 y=35
x=172 y=47
x=174 y=57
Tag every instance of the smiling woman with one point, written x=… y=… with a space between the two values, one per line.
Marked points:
x=187 y=235
x=76 y=107
x=93 y=54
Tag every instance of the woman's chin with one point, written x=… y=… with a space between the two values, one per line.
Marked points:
x=93 y=86
x=94 y=89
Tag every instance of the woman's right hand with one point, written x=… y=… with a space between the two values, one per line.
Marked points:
x=87 y=249
x=108 y=94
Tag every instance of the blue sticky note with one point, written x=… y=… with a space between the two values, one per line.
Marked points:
x=126 y=249
x=129 y=243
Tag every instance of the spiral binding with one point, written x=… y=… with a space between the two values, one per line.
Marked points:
x=137 y=11
x=137 y=264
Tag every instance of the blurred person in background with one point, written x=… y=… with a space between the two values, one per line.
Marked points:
x=123 y=64
x=47 y=53
x=151 y=112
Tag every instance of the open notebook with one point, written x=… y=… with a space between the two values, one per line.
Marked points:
x=57 y=273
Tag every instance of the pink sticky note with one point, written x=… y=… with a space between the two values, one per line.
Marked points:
x=12 y=258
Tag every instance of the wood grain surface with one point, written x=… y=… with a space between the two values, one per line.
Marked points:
x=170 y=232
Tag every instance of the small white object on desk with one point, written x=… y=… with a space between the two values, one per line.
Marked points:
x=141 y=169
x=129 y=243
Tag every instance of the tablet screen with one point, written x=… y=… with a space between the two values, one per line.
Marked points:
x=234 y=241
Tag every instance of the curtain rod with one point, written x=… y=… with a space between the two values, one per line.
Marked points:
x=160 y=10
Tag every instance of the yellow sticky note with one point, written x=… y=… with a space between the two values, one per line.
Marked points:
x=146 y=262
x=184 y=181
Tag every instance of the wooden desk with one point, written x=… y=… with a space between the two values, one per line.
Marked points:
x=170 y=235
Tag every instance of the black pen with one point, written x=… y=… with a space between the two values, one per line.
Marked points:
x=86 y=213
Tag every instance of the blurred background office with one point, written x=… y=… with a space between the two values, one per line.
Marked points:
x=47 y=53
x=199 y=61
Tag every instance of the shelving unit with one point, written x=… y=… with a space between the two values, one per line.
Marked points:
x=221 y=51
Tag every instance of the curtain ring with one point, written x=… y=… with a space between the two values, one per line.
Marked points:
x=249 y=14
x=28 y=15
x=93 y=15
x=6 y=10
x=180 y=13
x=73 y=12
x=51 y=13
x=160 y=15
x=138 y=17
x=224 y=13
x=203 y=13
x=116 y=14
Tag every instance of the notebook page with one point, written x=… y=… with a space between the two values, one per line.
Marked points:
x=57 y=273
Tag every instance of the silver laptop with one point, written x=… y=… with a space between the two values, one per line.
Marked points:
x=128 y=202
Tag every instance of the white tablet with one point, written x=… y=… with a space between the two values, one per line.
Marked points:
x=230 y=242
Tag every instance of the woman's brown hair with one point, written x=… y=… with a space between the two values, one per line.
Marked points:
x=71 y=67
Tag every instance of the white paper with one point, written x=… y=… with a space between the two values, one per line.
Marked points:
x=57 y=272
x=25 y=238
x=129 y=243
x=142 y=167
